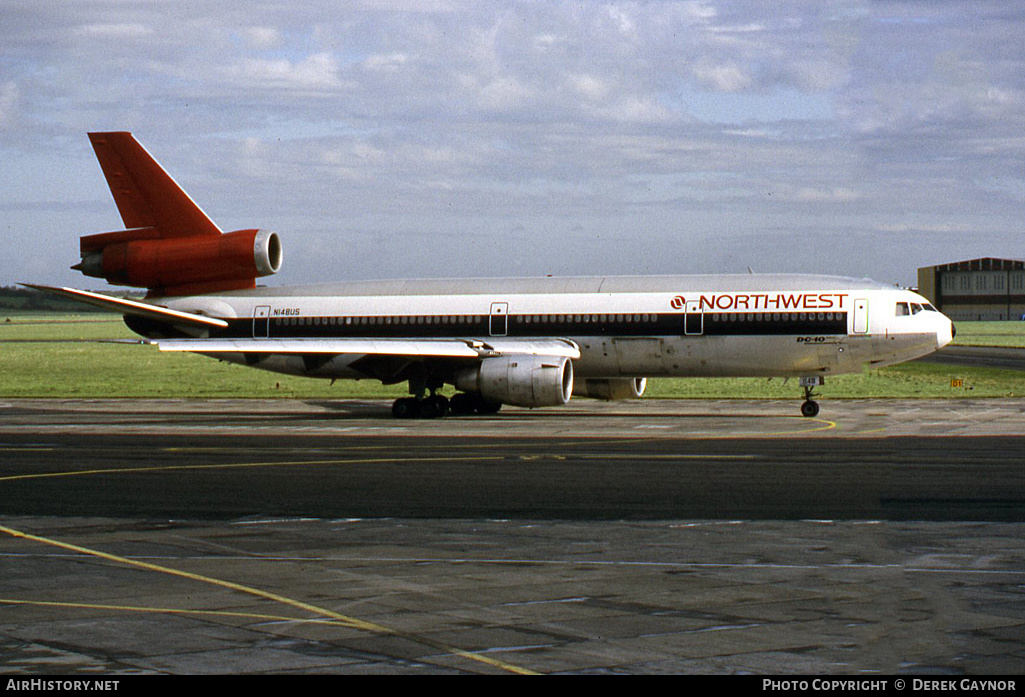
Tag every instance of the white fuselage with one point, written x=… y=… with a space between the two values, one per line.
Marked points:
x=726 y=325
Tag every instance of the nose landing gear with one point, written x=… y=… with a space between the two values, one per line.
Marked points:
x=810 y=408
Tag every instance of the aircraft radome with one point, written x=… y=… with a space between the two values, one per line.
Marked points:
x=531 y=342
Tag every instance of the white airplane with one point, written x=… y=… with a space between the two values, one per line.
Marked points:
x=531 y=342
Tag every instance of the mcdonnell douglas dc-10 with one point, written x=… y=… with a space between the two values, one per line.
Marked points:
x=531 y=342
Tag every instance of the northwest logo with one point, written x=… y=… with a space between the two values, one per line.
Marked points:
x=747 y=302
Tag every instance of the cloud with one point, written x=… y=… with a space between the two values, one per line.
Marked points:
x=386 y=62
x=724 y=78
x=837 y=195
x=262 y=38
x=116 y=31
x=589 y=86
x=316 y=73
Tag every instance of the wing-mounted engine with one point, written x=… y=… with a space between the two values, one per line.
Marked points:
x=170 y=246
x=181 y=265
x=610 y=388
x=521 y=380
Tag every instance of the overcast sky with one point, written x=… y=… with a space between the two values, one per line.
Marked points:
x=406 y=138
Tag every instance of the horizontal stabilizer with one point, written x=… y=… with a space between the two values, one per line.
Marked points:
x=134 y=308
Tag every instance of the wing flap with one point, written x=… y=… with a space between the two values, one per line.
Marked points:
x=427 y=348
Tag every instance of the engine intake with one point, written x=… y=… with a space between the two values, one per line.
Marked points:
x=181 y=265
x=522 y=380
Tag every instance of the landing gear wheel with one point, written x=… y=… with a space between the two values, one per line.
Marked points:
x=434 y=407
x=405 y=408
x=466 y=403
x=810 y=407
x=463 y=404
x=485 y=407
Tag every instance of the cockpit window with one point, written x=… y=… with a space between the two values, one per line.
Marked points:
x=915 y=308
x=902 y=310
x=929 y=307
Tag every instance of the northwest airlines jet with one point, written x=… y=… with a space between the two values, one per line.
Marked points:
x=531 y=342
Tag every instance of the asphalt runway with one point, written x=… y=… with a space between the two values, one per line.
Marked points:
x=979 y=357
x=642 y=537
x=553 y=478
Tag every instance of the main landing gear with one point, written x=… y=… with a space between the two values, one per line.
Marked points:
x=431 y=407
x=436 y=406
x=810 y=407
x=466 y=403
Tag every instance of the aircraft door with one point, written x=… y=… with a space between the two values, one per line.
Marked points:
x=694 y=319
x=261 y=322
x=861 y=316
x=499 y=324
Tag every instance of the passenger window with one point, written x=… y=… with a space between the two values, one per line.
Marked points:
x=902 y=310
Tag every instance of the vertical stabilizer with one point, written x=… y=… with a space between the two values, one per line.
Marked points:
x=146 y=195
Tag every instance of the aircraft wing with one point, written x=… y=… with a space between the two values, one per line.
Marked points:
x=407 y=347
x=134 y=307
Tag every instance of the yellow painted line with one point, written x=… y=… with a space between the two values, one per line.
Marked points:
x=267 y=595
x=826 y=426
x=167 y=611
x=240 y=465
x=684 y=435
x=667 y=456
x=872 y=430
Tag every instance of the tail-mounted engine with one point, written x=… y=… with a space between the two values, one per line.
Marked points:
x=181 y=265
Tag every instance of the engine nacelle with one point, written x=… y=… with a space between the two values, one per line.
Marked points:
x=181 y=265
x=611 y=388
x=523 y=381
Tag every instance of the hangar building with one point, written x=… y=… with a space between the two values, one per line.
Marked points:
x=980 y=289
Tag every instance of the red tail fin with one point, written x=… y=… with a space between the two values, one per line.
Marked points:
x=145 y=194
x=170 y=247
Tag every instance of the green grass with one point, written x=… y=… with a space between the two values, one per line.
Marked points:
x=906 y=381
x=63 y=356
x=50 y=355
x=1005 y=334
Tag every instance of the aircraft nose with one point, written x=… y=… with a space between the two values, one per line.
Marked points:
x=945 y=333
